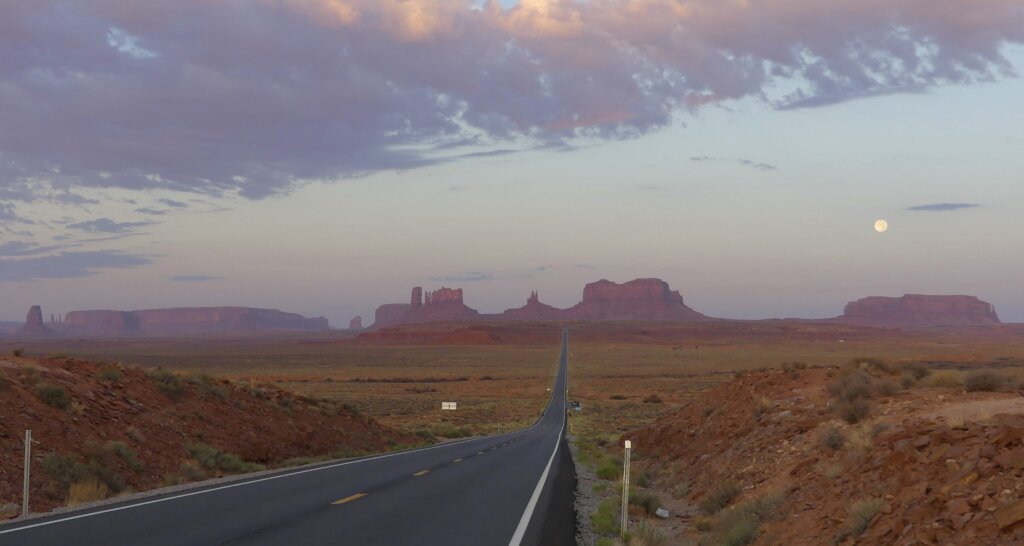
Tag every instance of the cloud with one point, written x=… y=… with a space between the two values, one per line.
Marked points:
x=67 y=265
x=255 y=98
x=21 y=248
x=738 y=161
x=173 y=203
x=194 y=278
x=106 y=225
x=471 y=276
x=585 y=266
x=942 y=207
x=152 y=212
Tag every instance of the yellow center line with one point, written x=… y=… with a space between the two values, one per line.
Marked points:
x=350 y=499
x=420 y=473
x=457 y=460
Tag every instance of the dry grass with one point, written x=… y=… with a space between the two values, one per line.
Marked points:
x=87 y=491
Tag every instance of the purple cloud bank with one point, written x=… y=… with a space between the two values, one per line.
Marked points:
x=255 y=97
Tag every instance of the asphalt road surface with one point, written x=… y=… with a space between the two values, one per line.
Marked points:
x=509 y=489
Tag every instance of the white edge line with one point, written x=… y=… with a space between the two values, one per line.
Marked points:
x=524 y=522
x=533 y=501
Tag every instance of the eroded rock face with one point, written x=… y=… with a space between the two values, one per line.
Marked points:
x=356 y=323
x=34 y=326
x=187 y=321
x=640 y=299
x=916 y=310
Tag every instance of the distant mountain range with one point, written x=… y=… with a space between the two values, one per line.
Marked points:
x=639 y=299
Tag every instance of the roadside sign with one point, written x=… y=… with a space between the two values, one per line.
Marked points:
x=448 y=406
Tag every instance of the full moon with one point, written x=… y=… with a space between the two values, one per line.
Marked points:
x=881 y=226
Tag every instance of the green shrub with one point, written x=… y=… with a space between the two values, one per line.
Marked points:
x=167 y=383
x=652 y=399
x=646 y=500
x=53 y=395
x=853 y=411
x=738 y=526
x=719 y=497
x=608 y=469
x=617 y=397
x=916 y=370
x=985 y=380
x=606 y=520
x=887 y=388
x=192 y=471
x=64 y=470
x=18 y=352
x=215 y=460
x=208 y=386
x=109 y=374
x=645 y=534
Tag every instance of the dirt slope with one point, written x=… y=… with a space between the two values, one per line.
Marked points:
x=132 y=429
x=933 y=465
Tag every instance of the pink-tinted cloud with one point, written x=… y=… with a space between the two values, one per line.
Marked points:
x=223 y=97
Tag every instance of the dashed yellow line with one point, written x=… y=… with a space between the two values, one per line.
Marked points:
x=350 y=498
x=421 y=473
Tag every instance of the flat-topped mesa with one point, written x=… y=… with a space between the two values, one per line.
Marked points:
x=917 y=310
x=639 y=299
x=187 y=321
x=443 y=296
x=34 y=326
x=356 y=323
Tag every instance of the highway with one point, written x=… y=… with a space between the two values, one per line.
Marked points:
x=510 y=489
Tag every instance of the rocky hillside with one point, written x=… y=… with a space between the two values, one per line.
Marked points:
x=104 y=429
x=871 y=454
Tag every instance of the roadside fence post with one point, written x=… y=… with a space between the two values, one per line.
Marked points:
x=28 y=470
x=625 y=491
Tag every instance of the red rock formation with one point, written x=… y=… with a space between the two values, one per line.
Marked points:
x=639 y=299
x=534 y=310
x=101 y=323
x=915 y=310
x=356 y=323
x=187 y=321
x=34 y=326
x=417 y=297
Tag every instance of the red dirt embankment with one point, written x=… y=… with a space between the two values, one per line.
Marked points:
x=131 y=429
x=933 y=479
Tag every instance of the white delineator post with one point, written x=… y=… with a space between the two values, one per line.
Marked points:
x=28 y=469
x=625 y=491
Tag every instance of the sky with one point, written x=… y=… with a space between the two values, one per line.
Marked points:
x=325 y=156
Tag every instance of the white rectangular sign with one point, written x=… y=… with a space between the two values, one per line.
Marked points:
x=448 y=405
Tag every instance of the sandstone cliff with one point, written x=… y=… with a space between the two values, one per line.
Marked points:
x=187 y=321
x=34 y=326
x=356 y=323
x=918 y=310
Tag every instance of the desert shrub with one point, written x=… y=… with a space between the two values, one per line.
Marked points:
x=192 y=471
x=617 y=397
x=167 y=383
x=719 y=497
x=887 y=387
x=207 y=386
x=134 y=434
x=425 y=435
x=9 y=510
x=642 y=479
x=859 y=517
x=486 y=378
x=916 y=370
x=53 y=395
x=833 y=438
x=18 y=352
x=125 y=453
x=215 y=460
x=4 y=383
x=171 y=479
x=86 y=491
x=450 y=431
x=708 y=411
x=645 y=534
x=646 y=500
x=853 y=411
x=946 y=379
x=985 y=380
x=652 y=399
x=871 y=363
x=297 y=461
x=907 y=381
x=64 y=470
x=606 y=520
x=109 y=374
x=608 y=469
x=738 y=526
